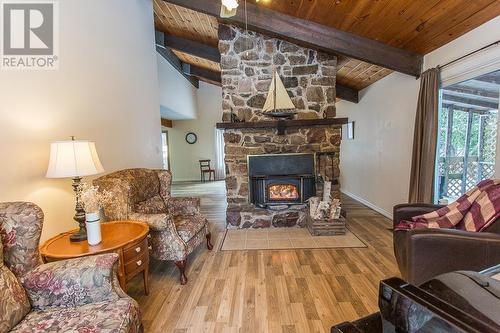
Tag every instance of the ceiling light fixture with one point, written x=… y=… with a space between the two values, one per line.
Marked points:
x=230 y=4
x=228 y=8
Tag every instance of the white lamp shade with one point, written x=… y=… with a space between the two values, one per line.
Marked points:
x=69 y=159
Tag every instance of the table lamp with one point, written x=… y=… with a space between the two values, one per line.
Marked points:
x=74 y=159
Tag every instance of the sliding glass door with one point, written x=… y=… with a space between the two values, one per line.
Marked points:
x=467 y=137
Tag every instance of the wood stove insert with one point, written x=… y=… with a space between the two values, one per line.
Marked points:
x=282 y=179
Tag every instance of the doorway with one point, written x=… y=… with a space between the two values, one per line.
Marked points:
x=467 y=136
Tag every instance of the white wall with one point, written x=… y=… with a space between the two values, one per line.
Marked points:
x=105 y=90
x=177 y=94
x=184 y=157
x=375 y=166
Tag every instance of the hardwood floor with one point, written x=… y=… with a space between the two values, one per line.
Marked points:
x=272 y=290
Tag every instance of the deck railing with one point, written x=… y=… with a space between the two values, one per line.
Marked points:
x=456 y=176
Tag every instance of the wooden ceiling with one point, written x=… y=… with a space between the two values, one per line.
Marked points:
x=192 y=25
x=415 y=25
x=185 y=23
x=358 y=74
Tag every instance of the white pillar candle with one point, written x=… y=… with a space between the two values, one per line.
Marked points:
x=93 y=223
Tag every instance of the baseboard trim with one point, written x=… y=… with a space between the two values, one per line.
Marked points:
x=184 y=180
x=368 y=204
x=189 y=180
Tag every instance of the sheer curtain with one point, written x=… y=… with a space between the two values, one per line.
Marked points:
x=220 y=165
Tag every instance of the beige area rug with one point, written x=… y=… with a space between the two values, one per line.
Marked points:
x=285 y=239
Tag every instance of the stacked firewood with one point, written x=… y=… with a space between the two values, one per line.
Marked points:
x=325 y=208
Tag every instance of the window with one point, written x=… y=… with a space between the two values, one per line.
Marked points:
x=220 y=164
x=467 y=135
x=164 y=144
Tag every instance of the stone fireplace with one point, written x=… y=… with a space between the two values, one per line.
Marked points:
x=247 y=64
x=241 y=145
x=270 y=176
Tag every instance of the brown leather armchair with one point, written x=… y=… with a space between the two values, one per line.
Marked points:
x=425 y=253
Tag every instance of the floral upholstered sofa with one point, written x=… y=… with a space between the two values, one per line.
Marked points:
x=78 y=295
x=176 y=225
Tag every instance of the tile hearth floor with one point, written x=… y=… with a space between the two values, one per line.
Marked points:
x=285 y=239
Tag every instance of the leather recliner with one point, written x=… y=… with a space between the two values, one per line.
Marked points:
x=422 y=254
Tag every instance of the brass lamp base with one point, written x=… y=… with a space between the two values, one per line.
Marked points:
x=79 y=217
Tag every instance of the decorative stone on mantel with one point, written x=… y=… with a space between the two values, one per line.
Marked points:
x=247 y=63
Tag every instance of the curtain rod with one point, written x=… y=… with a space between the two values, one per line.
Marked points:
x=469 y=54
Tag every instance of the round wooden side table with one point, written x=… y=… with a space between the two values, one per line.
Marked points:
x=126 y=238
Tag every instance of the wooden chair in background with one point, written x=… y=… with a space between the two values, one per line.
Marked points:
x=206 y=168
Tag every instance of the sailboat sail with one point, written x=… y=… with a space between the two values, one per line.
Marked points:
x=277 y=97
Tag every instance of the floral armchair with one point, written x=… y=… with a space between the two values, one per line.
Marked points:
x=176 y=225
x=78 y=295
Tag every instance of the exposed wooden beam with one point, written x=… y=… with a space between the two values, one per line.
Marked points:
x=212 y=53
x=475 y=95
x=194 y=48
x=480 y=85
x=347 y=93
x=472 y=103
x=167 y=122
x=314 y=35
x=203 y=74
x=206 y=75
x=168 y=55
x=491 y=78
x=465 y=108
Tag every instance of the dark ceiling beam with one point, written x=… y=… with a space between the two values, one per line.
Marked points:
x=203 y=74
x=167 y=123
x=479 y=85
x=478 y=95
x=347 y=93
x=456 y=107
x=212 y=53
x=463 y=106
x=168 y=55
x=206 y=74
x=491 y=78
x=473 y=91
x=191 y=47
x=314 y=35
x=473 y=103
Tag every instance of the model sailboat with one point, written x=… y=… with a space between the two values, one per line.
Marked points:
x=278 y=103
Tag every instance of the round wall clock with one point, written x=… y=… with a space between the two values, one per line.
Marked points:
x=191 y=138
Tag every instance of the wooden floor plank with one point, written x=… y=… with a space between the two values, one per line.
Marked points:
x=304 y=290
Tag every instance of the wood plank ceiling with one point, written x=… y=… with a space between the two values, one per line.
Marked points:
x=415 y=25
x=419 y=26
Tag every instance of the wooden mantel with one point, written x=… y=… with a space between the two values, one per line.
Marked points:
x=281 y=125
